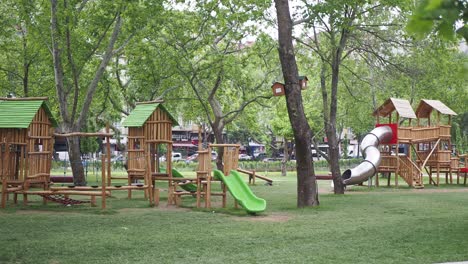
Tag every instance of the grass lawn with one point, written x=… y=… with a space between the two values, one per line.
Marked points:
x=376 y=225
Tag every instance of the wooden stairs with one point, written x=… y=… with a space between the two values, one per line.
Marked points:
x=410 y=172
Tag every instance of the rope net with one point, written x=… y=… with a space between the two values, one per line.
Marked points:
x=61 y=199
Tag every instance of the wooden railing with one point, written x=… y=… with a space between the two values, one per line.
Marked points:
x=445 y=131
x=425 y=133
x=388 y=163
x=443 y=156
x=404 y=134
x=409 y=171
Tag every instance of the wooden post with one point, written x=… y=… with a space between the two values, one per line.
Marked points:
x=377 y=179
x=200 y=139
x=148 y=179
x=396 y=152
x=108 y=152
x=103 y=182
x=208 y=190
x=224 y=194
x=93 y=200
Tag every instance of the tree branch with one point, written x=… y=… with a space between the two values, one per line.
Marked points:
x=99 y=72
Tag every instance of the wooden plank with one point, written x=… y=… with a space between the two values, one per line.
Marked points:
x=65 y=192
x=255 y=175
x=151 y=102
x=83 y=134
x=25 y=99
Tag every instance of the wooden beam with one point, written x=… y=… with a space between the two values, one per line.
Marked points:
x=24 y=99
x=151 y=102
x=83 y=134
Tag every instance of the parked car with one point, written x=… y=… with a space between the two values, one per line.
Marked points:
x=118 y=158
x=191 y=158
x=176 y=156
x=272 y=159
x=260 y=156
x=214 y=155
x=244 y=157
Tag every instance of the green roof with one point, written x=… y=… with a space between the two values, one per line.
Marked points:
x=19 y=114
x=142 y=112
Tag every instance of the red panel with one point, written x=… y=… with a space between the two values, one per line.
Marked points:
x=394 y=128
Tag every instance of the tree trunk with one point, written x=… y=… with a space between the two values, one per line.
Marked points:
x=70 y=122
x=285 y=157
x=307 y=194
x=334 y=157
x=330 y=112
x=218 y=128
x=75 y=161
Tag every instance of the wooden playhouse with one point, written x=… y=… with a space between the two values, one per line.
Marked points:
x=149 y=131
x=26 y=144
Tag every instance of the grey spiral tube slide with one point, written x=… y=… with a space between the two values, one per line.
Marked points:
x=372 y=158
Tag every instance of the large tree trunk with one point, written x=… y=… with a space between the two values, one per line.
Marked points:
x=72 y=122
x=218 y=128
x=307 y=194
x=74 y=153
x=329 y=117
x=334 y=158
x=285 y=157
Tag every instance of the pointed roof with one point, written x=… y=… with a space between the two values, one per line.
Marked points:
x=425 y=108
x=402 y=106
x=142 y=112
x=19 y=114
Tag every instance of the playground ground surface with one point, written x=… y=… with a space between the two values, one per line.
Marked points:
x=366 y=225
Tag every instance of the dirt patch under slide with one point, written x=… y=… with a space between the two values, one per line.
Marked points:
x=272 y=218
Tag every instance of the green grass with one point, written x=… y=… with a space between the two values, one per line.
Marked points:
x=376 y=225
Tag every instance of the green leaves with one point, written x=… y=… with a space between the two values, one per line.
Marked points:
x=446 y=17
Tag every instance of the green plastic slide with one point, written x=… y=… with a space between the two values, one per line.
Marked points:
x=188 y=187
x=241 y=192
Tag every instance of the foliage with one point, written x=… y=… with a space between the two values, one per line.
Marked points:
x=446 y=17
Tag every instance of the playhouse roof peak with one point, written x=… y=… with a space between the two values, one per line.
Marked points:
x=402 y=106
x=425 y=108
x=19 y=112
x=142 y=112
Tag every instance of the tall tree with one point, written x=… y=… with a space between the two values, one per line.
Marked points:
x=84 y=38
x=336 y=31
x=224 y=72
x=22 y=57
x=307 y=194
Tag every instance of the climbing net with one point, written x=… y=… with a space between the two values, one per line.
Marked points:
x=58 y=198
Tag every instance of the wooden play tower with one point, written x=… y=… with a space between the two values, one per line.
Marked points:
x=149 y=131
x=26 y=144
x=396 y=156
x=416 y=148
x=432 y=138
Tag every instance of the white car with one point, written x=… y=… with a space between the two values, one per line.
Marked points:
x=244 y=157
x=176 y=156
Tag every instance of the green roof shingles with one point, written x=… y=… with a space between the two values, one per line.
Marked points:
x=19 y=114
x=142 y=112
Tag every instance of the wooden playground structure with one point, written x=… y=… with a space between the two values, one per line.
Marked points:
x=27 y=150
x=422 y=142
x=27 y=138
x=26 y=142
